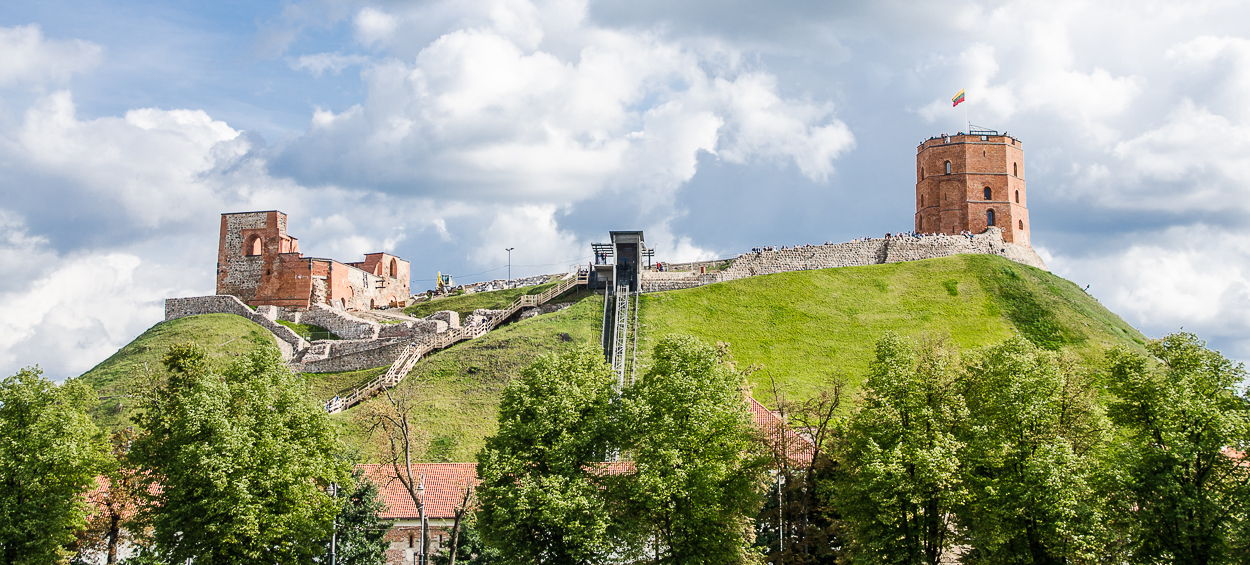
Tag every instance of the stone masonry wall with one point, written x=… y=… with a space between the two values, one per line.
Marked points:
x=288 y=341
x=354 y=355
x=894 y=249
x=339 y=322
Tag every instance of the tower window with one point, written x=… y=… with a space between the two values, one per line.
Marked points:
x=253 y=246
x=1021 y=224
x=1017 y=197
x=1015 y=169
x=922 y=201
x=989 y=217
x=987 y=193
x=948 y=167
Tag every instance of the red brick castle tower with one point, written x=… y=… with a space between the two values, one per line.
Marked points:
x=971 y=182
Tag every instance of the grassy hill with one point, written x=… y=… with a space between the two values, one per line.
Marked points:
x=222 y=335
x=458 y=389
x=802 y=328
x=805 y=327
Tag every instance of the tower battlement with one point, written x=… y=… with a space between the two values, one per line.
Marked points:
x=972 y=182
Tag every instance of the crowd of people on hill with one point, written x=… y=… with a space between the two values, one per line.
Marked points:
x=888 y=235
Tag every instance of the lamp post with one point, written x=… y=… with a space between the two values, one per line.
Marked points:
x=425 y=554
x=509 y=250
x=334 y=534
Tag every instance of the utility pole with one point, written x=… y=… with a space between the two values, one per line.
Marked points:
x=509 y=250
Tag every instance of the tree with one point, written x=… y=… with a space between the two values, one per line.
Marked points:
x=901 y=485
x=541 y=490
x=50 y=453
x=238 y=461
x=361 y=532
x=471 y=549
x=399 y=442
x=1032 y=441
x=698 y=470
x=799 y=523
x=113 y=504
x=1183 y=463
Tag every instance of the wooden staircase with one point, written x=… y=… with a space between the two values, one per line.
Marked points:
x=408 y=358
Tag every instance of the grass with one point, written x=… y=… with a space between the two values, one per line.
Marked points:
x=311 y=332
x=465 y=304
x=458 y=389
x=224 y=336
x=802 y=328
x=805 y=327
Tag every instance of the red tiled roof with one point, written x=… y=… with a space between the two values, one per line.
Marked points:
x=798 y=448
x=444 y=488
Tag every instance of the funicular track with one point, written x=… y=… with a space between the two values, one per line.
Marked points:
x=413 y=352
x=620 y=334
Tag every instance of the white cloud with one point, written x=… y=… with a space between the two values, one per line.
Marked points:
x=374 y=26
x=319 y=63
x=1192 y=277
x=480 y=114
x=27 y=57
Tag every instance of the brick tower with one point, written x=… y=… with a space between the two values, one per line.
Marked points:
x=971 y=182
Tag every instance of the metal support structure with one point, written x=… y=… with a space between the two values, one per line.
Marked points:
x=509 y=250
x=620 y=335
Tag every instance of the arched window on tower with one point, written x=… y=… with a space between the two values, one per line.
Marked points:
x=1021 y=224
x=1015 y=169
x=948 y=167
x=253 y=246
x=1017 y=197
x=394 y=268
x=922 y=201
x=987 y=193
x=989 y=217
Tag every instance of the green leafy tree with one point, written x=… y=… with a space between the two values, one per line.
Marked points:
x=799 y=523
x=361 y=531
x=1183 y=466
x=1032 y=442
x=699 y=471
x=541 y=492
x=901 y=480
x=50 y=453
x=113 y=505
x=240 y=460
x=471 y=549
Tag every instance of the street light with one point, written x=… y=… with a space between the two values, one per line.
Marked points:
x=509 y=250
x=425 y=529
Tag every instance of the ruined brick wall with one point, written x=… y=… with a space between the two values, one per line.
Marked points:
x=954 y=201
x=335 y=356
x=239 y=274
x=288 y=341
x=341 y=323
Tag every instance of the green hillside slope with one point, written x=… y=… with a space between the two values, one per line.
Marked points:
x=458 y=389
x=804 y=327
x=801 y=328
x=222 y=335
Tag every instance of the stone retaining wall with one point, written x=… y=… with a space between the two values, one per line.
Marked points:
x=288 y=341
x=894 y=249
x=380 y=353
x=339 y=322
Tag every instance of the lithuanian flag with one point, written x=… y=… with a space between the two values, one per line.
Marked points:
x=958 y=98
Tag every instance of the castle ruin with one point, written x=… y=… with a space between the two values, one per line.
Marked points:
x=260 y=264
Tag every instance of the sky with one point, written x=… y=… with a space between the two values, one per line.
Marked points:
x=448 y=131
